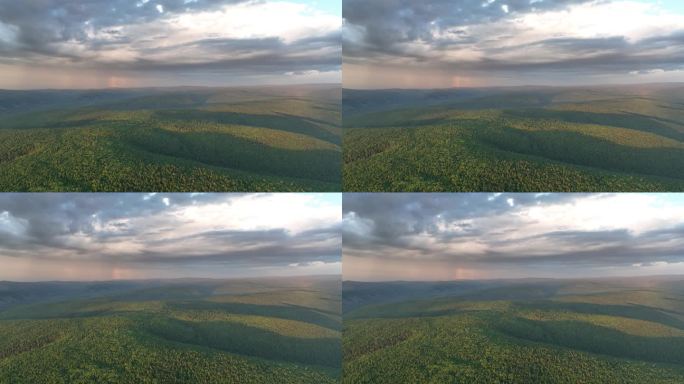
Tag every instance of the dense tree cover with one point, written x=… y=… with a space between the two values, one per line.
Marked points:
x=558 y=339
x=212 y=140
x=617 y=143
x=164 y=334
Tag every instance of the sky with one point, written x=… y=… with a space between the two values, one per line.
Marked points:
x=440 y=237
x=69 y=44
x=115 y=236
x=481 y=43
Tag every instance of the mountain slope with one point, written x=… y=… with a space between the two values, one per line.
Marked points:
x=623 y=139
x=175 y=139
x=184 y=331
x=536 y=331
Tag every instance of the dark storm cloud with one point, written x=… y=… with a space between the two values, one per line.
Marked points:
x=275 y=247
x=402 y=214
x=41 y=22
x=265 y=256
x=265 y=56
x=608 y=55
x=586 y=237
x=609 y=256
x=518 y=231
x=49 y=216
x=386 y=23
x=674 y=232
x=152 y=229
x=419 y=36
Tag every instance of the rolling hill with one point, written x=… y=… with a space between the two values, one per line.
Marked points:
x=550 y=139
x=171 y=139
x=284 y=330
x=609 y=330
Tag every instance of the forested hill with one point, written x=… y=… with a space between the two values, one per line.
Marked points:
x=171 y=139
x=600 y=330
x=269 y=330
x=528 y=139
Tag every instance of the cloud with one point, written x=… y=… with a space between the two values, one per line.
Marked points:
x=500 y=42
x=213 y=234
x=203 y=41
x=509 y=235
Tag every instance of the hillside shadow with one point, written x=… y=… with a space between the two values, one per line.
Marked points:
x=251 y=341
x=282 y=312
x=592 y=338
x=627 y=120
x=516 y=292
x=512 y=100
x=579 y=149
x=224 y=150
x=311 y=119
x=637 y=312
x=277 y=122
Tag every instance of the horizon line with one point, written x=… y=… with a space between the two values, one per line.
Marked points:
x=170 y=279
x=515 y=86
x=518 y=279
x=173 y=86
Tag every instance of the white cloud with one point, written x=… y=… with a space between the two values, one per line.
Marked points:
x=659 y=268
x=296 y=212
x=535 y=47
x=213 y=233
x=635 y=212
x=522 y=235
x=171 y=38
x=8 y=33
x=637 y=21
x=182 y=44
x=289 y=21
x=11 y=225
x=316 y=268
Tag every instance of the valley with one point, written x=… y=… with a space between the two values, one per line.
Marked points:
x=603 y=330
x=180 y=139
x=517 y=139
x=264 y=330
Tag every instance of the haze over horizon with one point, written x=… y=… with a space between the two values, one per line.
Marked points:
x=67 y=44
x=123 y=236
x=479 y=43
x=263 y=86
x=530 y=278
x=583 y=86
x=470 y=236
